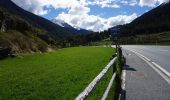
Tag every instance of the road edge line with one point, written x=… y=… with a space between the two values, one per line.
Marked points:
x=123 y=86
x=160 y=68
x=155 y=66
x=158 y=71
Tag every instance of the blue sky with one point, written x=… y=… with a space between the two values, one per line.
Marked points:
x=104 y=12
x=96 y=15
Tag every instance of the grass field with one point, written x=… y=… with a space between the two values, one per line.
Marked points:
x=59 y=75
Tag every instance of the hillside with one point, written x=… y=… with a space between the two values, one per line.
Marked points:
x=25 y=32
x=55 y=30
x=155 y=21
x=20 y=35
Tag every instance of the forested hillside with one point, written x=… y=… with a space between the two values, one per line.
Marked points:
x=155 y=21
x=25 y=32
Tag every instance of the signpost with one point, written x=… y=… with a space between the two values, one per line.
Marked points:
x=115 y=36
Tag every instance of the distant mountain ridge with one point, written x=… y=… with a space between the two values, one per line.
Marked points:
x=154 y=21
x=70 y=28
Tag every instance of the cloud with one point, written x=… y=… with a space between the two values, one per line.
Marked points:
x=41 y=7
x=78 y=10
x=121 y=19
x=38 y=6
x=104 y=3
x=129 y=2
x=34 y=6
x=151 y=3
x=92 y=22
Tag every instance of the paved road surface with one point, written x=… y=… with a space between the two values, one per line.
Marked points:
x=142 y=81
x=158 y=54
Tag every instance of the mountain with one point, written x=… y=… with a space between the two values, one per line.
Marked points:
x=154 y=21
x=54 y=30
x=70 y=28
x=25 y=32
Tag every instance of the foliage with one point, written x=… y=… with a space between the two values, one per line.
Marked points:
x=88 y=39
x=150 y=39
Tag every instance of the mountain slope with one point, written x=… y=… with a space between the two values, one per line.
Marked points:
x=20 y=35
x=70 y=28
x=155 y=21
x=54 y=30
x=25 y=32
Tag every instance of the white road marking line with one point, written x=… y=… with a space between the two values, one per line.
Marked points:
x=142 y=56
x=160 y=68
x=164 y=50
x=123 y=85
x=161 y=71
x=139 y=54
x=124 y=80
x=158 y=71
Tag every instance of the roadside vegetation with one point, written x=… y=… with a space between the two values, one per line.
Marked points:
x=150 y=39
x=57 y=75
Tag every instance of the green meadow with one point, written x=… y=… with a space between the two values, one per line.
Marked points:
x=59 y=75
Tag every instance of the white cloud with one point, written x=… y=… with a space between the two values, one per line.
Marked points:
x=129 y=2
x=151 y=3
x=34 y=6
x=78 y=10
x=38 y=6
x=121 y=19
x=104 y=3
x=162 y=1
x=95 y=23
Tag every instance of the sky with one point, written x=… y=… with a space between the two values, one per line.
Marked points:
x=96 y=15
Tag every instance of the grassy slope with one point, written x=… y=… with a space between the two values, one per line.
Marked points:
x=58 y=75
x=20 y=42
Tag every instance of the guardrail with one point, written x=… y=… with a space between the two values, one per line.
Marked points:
x=116 y=76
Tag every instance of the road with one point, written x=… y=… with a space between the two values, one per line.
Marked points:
x=158 y=54
x=142 y=80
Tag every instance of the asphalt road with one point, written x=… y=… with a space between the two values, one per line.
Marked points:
x=142 y=82
x=158 y=54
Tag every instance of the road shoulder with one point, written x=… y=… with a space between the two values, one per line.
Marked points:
x=142 y=82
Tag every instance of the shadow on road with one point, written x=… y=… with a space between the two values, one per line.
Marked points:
x=127 y=67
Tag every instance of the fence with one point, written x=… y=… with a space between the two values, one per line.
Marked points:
x=116 y=76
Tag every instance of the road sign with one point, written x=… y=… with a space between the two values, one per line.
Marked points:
x=115 y=33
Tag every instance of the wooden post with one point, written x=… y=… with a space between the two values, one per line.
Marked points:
x=118 y=70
